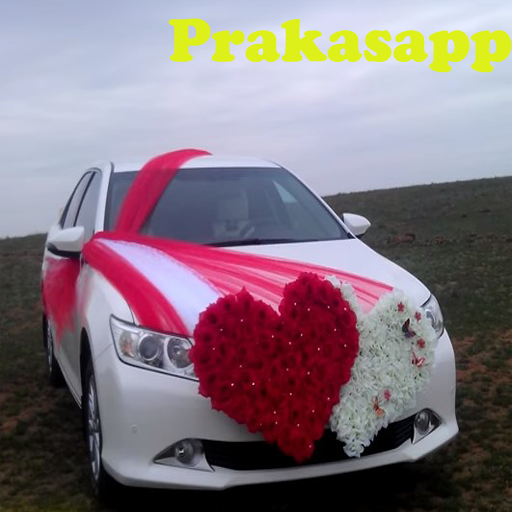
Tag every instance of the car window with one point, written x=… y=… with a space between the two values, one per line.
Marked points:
x=117 y=189
x=69 y=214
x=87 y=211
x=233 y=206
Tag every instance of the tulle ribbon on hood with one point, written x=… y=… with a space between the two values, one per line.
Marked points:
x=167 y=283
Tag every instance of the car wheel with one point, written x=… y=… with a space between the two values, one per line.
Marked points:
x=54 y=372
x=103 y=485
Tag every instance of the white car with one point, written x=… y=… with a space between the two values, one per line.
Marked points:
x=151 y=428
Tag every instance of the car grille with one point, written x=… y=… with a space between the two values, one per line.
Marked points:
x=254 y=455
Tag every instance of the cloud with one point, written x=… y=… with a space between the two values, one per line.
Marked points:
x=84 y=81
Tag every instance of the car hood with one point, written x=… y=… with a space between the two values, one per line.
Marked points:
x=168 y=284
x=348 y=256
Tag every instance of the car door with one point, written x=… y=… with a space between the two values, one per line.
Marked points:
x=67 y=220
x=85 y=217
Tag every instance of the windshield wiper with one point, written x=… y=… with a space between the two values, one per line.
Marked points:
x=258 y=241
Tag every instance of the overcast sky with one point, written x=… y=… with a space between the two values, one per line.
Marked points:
x=82 y=81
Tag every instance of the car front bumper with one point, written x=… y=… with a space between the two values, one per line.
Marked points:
x=144 y=412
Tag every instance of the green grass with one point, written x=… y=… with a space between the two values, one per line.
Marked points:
x=462 y=250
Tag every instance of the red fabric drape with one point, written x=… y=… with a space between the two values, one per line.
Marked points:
x=149 y=185
x=228 y=271
x=59 y=283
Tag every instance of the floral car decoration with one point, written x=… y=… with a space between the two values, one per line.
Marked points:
x=278 y=373
x=283 y=347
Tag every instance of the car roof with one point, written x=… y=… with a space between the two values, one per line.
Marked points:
x=204 y=162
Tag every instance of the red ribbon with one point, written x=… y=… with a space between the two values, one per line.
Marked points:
x=149 y=185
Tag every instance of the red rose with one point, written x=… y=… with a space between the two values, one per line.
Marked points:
x=279 y=374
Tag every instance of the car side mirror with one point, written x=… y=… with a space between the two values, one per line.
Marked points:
x=357 y=224
x=67 y=243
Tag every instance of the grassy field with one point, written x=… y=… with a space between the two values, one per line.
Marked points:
x=456 y=237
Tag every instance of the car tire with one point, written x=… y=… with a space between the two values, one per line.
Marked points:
x=54 y=372
x=104 y=487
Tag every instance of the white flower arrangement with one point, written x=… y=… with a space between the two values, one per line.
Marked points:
x=396 y=353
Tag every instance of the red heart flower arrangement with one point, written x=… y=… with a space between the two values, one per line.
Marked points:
x=280 y=374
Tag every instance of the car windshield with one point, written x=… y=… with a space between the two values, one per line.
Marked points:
x=233 y=206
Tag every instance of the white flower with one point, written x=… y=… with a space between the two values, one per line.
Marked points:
x=393 y=364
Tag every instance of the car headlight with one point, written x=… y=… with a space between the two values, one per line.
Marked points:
x=432 y=311
x=165 y=353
